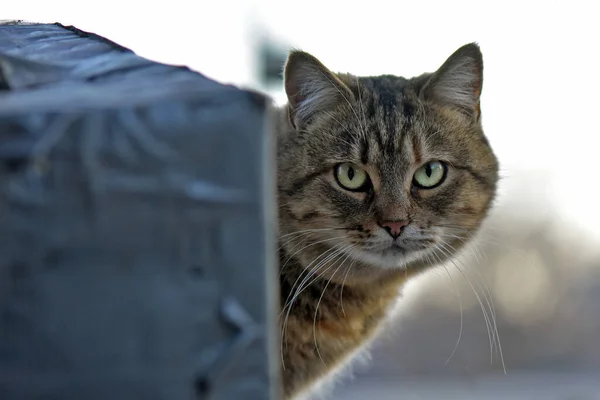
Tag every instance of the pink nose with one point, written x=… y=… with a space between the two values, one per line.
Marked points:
x=394 y=228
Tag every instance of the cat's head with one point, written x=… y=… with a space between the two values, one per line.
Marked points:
x=383 y=171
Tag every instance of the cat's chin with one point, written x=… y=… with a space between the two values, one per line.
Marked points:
x=391 y=258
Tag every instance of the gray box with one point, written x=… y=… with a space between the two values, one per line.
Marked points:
x=137 y=226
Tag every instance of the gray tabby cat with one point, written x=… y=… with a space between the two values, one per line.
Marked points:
x=379 y=179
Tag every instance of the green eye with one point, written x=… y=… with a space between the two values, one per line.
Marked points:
x=351 y=177
x=430 y=175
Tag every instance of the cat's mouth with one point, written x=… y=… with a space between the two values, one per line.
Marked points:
x=395 y=248
x=396 y=254
x=404 y=246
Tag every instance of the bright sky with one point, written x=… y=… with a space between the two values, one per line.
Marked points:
x=541 y=85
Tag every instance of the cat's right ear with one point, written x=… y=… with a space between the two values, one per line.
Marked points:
x=310 y=87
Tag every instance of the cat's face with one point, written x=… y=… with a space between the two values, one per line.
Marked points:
x=384 y=171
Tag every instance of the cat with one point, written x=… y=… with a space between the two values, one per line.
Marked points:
x=379 y=179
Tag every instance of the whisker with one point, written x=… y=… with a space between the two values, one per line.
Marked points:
x=440 y=262
x=489 y=298
x=343 y=283
x=309 y=271
x=303 y=285
x=298 y=234
x=307 y=246
x=460 y=332
x=289 y=303
x=490 y=323
x=301 y=288
x=485 y=238
x=297 y=237
x=321 y=298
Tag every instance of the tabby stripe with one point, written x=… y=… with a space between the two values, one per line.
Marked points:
x=301 y=183
x=478 y=177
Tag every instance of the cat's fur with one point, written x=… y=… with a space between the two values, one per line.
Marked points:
x=389 y=126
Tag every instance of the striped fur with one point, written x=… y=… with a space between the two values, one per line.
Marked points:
x=389 y=126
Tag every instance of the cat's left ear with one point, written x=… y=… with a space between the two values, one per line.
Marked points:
x=311 y=88
x=458 y=82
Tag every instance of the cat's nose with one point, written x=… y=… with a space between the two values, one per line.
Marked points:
x=394 y=228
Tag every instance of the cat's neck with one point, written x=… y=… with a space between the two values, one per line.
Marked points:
x=368 y=289
x=334 y=317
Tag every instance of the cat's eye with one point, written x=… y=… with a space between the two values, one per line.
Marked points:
x=430 y=175
x=352 y=177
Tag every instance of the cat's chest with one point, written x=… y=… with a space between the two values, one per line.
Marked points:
x=338 y=327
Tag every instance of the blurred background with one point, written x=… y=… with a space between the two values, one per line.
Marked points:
x=518 y=316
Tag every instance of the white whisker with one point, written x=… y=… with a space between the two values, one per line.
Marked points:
x=343 y=283
x=491 y=324
x=303 y=285
x=310 y=272
x=321 y=298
